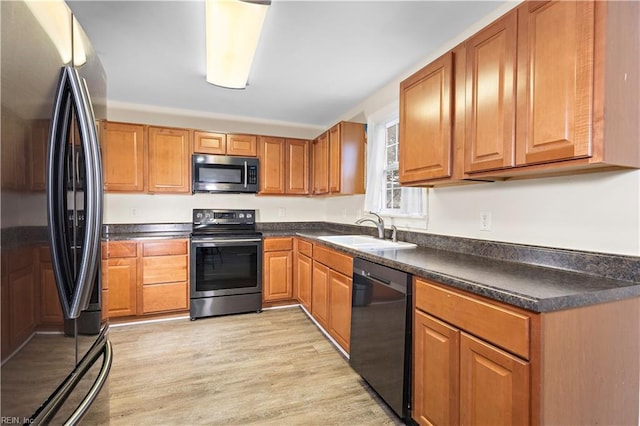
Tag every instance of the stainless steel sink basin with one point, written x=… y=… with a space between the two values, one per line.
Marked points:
x=366 y=242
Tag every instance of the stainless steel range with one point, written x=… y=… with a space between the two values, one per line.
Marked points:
x=226 y=263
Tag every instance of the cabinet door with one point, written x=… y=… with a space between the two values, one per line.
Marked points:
x=494 y=385
x=165 y=297
x=242 y=145
x=436 y=371
x=122 y=277
x=38 y=154
x=271 y=154
x=50 y=309
x=490 y=96
x=210 y=143
x=169 y=160
x=123 y=154
x=320 y=294
x=321 y=164
x=297 y=171
x=425 y=122
x=555 y=81
x=22 y=304
x=303 y=271
x=13 y=155
x=276 y=280
x=340 y=308
x=335 y=160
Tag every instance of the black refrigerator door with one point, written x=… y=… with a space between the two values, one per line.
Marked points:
x=75 y=275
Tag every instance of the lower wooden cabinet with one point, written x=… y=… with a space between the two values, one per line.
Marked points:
x=320 y=294
x=277 y=271
x=462 y=379
x=303 y=272
x=50 y=309
x=145 y=277
x=340 y=308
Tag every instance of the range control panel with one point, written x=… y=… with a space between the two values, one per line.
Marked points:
x=223 y=217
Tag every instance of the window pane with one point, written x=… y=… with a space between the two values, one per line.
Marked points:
x=391 y=154
x=389 y=199
x=396 y=198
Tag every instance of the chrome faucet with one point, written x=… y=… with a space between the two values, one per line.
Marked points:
x=379 y=223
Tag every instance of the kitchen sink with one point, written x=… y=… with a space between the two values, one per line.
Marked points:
x=366 y=242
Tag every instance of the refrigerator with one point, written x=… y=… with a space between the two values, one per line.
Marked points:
x=55 y=350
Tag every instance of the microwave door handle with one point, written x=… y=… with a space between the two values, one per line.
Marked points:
x=246 y=177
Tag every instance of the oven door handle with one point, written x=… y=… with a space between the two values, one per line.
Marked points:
x=253 y=240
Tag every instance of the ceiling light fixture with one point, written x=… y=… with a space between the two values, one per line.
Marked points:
x=233 y=31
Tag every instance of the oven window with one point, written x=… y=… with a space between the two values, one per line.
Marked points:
x=226 y=267
x=220 y=174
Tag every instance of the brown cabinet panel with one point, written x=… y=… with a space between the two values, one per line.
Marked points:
x=242 y=145
x=555 y=81
x=123 y=156
x=335 y=158
x=50 y=309
x=425 y=122
x=162 y=269
x=278 y=244
x=320 y=294
x=340 y=308
x=209 y=143
x=507 y=328
x=321 y=164
x=116 y=249
x=304 y=247
x=277 y=277
x=164 y=248
x=303 y=276
x=38 y=155
x=122 y=276
x=169 y=160
x=165 y=297
x=494 y=385
x=13 y=155
x=272 y=155
x=335 y=260
x=22 y=304
x=297 y=171
x=436 y=385
x=490 y=96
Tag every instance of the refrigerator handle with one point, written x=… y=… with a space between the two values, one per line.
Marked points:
x=74 y=292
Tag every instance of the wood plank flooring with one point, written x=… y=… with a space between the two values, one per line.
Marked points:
x=275 y=367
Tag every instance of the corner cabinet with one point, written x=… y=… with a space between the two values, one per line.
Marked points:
x=303 y=270
x=338 y=160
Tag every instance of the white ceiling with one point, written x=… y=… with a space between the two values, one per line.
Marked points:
x=316 y=60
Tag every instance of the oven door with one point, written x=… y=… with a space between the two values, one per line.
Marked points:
x=222 y=267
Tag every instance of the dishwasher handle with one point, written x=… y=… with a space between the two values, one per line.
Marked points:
x=387 y=283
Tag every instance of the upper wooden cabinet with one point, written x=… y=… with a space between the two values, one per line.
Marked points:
x=123 y=156
x=535 y=85
x=338 y=160
x=224 y=144
x=321 y=164
x=284 y=165
x=490 y=96
x=169 y=160
x=425 y=131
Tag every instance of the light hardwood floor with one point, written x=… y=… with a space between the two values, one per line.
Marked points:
x=275 y=367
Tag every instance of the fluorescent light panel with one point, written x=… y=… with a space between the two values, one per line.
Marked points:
x=233 y=31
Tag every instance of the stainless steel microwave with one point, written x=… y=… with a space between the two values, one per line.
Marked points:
x=222 y=173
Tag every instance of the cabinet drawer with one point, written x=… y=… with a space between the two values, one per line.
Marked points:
x=278 y=244
x=164 y=248
x=120 y=249
x=164 y=297
x=334 y=260
x=162 y=269
x=304 y=247
x=506 y=328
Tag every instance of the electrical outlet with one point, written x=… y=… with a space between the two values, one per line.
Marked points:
x=134 y=212
x=281 y=212
x=485 y=221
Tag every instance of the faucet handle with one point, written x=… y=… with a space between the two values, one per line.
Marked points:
x=394 y=234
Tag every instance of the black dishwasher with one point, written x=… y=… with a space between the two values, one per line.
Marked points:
x=380 y=349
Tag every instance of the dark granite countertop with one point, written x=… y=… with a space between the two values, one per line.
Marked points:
x=536 y=288
x=145 y=231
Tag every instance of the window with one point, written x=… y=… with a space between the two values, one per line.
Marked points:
x=384 y=195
